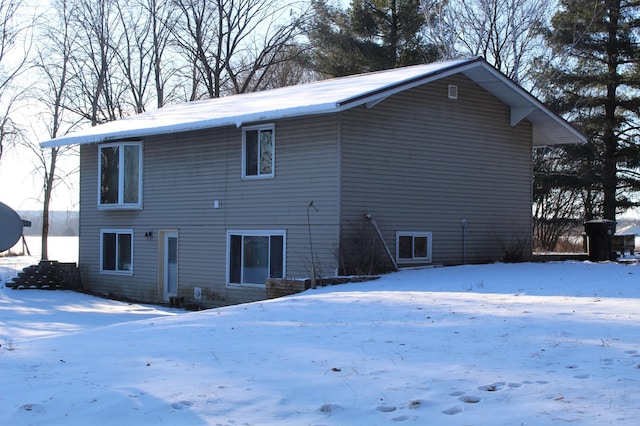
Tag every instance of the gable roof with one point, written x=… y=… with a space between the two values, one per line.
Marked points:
x=329 y=96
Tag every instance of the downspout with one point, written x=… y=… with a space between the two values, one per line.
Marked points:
x=313 y=260
x=384 y=243
x=464 y=241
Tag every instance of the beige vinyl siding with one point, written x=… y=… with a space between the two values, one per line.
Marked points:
x=184 y=174
x=416 y=161
x=419 y=161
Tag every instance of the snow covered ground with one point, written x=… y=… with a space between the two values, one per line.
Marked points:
x=500 y=344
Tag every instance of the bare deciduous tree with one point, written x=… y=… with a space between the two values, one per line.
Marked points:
x=230 y=45
x=504 y=32
x=200 y=33
x=145 y=28
x=163 y=18
x=98 y=87
x=12 y=62
x=53 y=63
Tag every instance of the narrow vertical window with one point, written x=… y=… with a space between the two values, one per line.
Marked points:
x=109 y=173
x=251 y=153
x=235 y=258
x=109 y=251
x=276 y=254
x=266 y=152
x=131 y=175
x=258 y=147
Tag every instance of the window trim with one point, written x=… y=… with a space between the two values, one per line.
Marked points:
x=120 y=205
x=259 y=127
x=404 y=260
x=117 y=231
x=254 y=233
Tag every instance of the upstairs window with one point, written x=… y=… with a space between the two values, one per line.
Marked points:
x=120 y=179
x=413 y=247
x=258 y=151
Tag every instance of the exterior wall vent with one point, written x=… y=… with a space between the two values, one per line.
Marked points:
x=453 y=91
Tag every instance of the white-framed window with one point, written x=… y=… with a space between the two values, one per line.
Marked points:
x=413 y=247
x=116 y=251
x=258 y=151
x=254 y=256
x=120 y=175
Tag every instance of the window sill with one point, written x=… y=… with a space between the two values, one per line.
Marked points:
x=120 y=273
x=245 y=285
x=420 y=261
x=119 y=207
x=258 y=177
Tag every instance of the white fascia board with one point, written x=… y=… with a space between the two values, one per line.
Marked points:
x=114 y=130
x=285 y=113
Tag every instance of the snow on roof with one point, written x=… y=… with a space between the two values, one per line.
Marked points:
x=328 y=96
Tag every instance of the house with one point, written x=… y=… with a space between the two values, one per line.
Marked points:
x=429 y=164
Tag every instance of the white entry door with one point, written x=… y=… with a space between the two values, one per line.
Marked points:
x=170 y=273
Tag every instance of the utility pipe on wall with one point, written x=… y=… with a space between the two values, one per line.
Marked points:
x=384 y=243
x=464 y=241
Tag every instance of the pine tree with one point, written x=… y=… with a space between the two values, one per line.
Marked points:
x=370 y=35
x=595 y=81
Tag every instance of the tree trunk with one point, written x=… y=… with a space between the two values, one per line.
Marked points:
x=48 y=190
x=610 y=138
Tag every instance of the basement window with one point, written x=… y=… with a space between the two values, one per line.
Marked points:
x=413 y=247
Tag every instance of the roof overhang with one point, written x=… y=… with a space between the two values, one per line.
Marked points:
x=548 y=127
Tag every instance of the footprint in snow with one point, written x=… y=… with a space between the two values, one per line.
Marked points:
x=400 y=418
x=35 y=408
x=452 y=411
x=386 y=408
x=469 y=399
x=416 y=403
x=181 y=405
x=492 y=387
x=328 y=408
